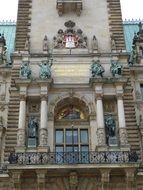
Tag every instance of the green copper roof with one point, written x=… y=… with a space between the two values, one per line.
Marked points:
x=8 y=28
x=130 y=28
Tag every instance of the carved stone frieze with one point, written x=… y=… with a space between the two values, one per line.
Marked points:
x=123 y=136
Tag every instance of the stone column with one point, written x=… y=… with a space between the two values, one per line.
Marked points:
x=105 y=178
x=130 y=179
x=100 y=121
x=43 y=122
x=41 y=179
x=121 y=120
x=16 y=175
x=22 y=122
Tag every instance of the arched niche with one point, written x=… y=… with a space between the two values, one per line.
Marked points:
x=71 y=109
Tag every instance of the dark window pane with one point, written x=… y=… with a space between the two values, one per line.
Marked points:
x=84 y=136
x=59 y=149
x=59 y=136
x=71 y=148
x=71 y=136
x=84 y=148
x=141 y=86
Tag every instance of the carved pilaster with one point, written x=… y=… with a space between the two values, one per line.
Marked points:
x=16 y=175
x=43 y=137
x=73 y=181
x=123 y=136
x=101 y=137
x=41 y=179
x=105 y=178
x=130 y=179
x=21 y=137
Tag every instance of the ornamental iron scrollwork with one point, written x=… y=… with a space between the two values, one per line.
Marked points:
x=58 y=158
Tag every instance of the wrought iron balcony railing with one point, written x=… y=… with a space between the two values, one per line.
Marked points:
x=60 y=158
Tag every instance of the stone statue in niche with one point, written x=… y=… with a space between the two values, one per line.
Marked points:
x=110 y=127
x=70 y=38
x=97 y=69
x=132 y=57
x=113 y=43
x=27 y=44
x=116 y=68
x=45 y=43
x=25 y=71
x=3 y=49
x=33 y=128
x=94 y=44
x=45 y=69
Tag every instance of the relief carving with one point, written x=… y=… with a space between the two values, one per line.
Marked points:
x=123 y=136
x=73 y=181
x=70 y=38
x=101 y=136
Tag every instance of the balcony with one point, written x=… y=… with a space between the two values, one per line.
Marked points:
x=67 y=158
x=69 y=5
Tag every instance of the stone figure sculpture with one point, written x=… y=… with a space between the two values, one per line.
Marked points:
x=45 y=69
x=97 y=69
x=25 y=71
x=110 y=126
x=116 y=68
x=32 y=128
x=132 y=57
x=45 y=43
x=113 y=43
x=94 y=43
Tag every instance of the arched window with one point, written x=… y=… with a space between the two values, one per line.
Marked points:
x=71 y=126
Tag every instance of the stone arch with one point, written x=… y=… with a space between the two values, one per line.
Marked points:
x=85 y=99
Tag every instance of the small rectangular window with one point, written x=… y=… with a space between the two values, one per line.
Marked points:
x=141 y=87
x=84 y=136
x=59 y=136
x=71 y=136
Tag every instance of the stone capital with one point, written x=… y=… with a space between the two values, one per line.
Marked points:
x=44 y=97
x=22 y=97
x=119 y=96
x=98 y=96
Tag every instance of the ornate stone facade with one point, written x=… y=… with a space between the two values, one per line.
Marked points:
x=59 y=92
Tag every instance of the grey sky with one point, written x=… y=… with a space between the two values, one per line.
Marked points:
x=130 y=9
